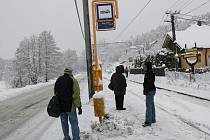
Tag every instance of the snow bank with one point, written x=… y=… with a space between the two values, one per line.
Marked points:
x=6 y=93
x=2 y=86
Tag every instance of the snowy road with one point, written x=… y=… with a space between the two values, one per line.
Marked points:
x=24 y=117
x=17 y=110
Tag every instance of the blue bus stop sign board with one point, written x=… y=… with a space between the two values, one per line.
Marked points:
x=106 y=25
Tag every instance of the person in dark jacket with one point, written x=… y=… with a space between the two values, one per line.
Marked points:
x=119 y=85
x=68 y=91
x=149 y=91
x=126 y=72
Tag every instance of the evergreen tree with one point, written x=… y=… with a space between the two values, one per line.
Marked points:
x=51 y=55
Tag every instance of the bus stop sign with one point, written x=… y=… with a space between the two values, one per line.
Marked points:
x=105 y=16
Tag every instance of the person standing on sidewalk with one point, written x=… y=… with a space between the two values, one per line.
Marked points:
x=68 y=91
x=126 y=72
x=118 y=85
x=149 y=91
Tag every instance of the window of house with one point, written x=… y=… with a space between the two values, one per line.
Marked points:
x=199 y=58
x=208 y=60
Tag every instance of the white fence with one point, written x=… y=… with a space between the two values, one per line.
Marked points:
x=201 y=81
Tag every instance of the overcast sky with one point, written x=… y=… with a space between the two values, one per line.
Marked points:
x=23 y=18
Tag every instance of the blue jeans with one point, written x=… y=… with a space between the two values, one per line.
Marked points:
x=150 y=107
x=74 y=125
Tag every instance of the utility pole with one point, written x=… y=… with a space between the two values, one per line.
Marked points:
x=173 y=35
x=88 y=47
x=173 y=27
x=172 y=22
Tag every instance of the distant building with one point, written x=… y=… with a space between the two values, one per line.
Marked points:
x=194 y=36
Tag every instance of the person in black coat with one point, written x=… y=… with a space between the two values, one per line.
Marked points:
x=126 y=72
x=118 y=85
x=149 y=91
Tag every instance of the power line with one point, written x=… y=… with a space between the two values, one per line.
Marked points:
x=75 y=2
x=186 y=4
x=174 y=4
x=192 y=19
x=162 y=20
x=196 y=8
x=189 y=15
x=133 y=19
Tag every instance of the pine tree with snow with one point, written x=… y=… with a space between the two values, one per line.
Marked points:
x=51 y=57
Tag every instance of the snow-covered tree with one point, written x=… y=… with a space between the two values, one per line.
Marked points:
x=22 y=62
x=10 y=74
x=71 y=59
x=36 y=59
x=165 y=58
x=2 y=64
x=50 y=55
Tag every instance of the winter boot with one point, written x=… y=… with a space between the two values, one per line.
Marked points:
x=145 y=124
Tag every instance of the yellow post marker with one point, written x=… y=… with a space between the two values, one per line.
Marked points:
x=99 y=108
x=106 y=12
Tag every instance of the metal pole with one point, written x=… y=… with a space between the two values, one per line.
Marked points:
x=88 y=47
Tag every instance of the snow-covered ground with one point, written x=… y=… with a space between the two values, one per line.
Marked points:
x=3 y=86
x=199 y=88
x=178 y=118
x=6 y=92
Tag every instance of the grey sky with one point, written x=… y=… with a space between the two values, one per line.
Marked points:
x=22 y=18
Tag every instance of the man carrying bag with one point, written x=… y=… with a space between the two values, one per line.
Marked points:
x=68 y=92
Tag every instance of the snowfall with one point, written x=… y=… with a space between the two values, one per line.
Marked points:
x=179 y=117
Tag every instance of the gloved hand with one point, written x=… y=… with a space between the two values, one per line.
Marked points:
x=144 y=92
x=79 y=110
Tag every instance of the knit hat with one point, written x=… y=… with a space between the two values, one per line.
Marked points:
x=68 y=70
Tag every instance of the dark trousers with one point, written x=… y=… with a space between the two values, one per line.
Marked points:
x=72 y=116
x=150 y=107
x=119 y=100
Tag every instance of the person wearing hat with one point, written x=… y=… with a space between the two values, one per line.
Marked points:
x=149 y=91
x=68 y=91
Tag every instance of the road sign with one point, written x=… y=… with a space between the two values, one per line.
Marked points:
x=190 y=55
x=191 y=50
x=105 y=16
x=104 y=11
x=105 y=25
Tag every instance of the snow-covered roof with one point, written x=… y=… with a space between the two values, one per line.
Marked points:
x=195 y=33
x=133 y=47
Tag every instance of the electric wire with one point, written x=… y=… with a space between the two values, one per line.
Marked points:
x=133 y=19
x=186 y=4
x=174 y=4
x=162 y=19
x=75 y=2
x=196 y=8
